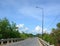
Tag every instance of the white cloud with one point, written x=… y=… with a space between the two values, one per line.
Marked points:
x=20 y=25
x=38 y=29
x=26 y=28
x=22 y=28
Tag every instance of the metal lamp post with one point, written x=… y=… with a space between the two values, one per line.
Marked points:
x=42 y=19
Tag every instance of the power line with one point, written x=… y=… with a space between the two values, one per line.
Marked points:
x=53 y=21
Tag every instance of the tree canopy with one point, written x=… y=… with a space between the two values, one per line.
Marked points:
x=8 y=30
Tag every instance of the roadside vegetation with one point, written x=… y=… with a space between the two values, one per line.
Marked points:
x=54 y=36
x=9 y=30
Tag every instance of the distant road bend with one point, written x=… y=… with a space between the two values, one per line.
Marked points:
x=28 y=42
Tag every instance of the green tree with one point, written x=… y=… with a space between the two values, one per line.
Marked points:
x=23 y=35
x=8 y=30
x=39 y=35
x=58 y=25
x=56 y=34
x=46 y=37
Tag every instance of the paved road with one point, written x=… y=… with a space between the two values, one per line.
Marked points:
x=27 y=42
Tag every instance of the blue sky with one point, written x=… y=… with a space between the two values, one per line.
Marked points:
x=29 y=18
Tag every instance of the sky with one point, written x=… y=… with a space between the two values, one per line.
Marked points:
x=29 y=18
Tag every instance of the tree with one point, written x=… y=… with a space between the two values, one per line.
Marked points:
x=4 y=24
x=8 y=30
x=56 y=34
x=58 y=25
x=46 y=37
x=23 y=35
x=39 y=35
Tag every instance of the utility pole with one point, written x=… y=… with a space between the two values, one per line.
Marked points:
x=42 y=19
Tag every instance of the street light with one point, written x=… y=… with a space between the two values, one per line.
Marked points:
x=42 y=19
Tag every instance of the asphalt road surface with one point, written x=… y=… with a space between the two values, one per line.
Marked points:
x=27 y=42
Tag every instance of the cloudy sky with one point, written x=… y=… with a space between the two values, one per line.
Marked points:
x=29 y=18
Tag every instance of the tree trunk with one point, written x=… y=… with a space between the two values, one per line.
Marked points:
x=58 y=44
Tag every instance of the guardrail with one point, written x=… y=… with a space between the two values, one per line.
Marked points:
x=44 y=43
x=6 y=41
